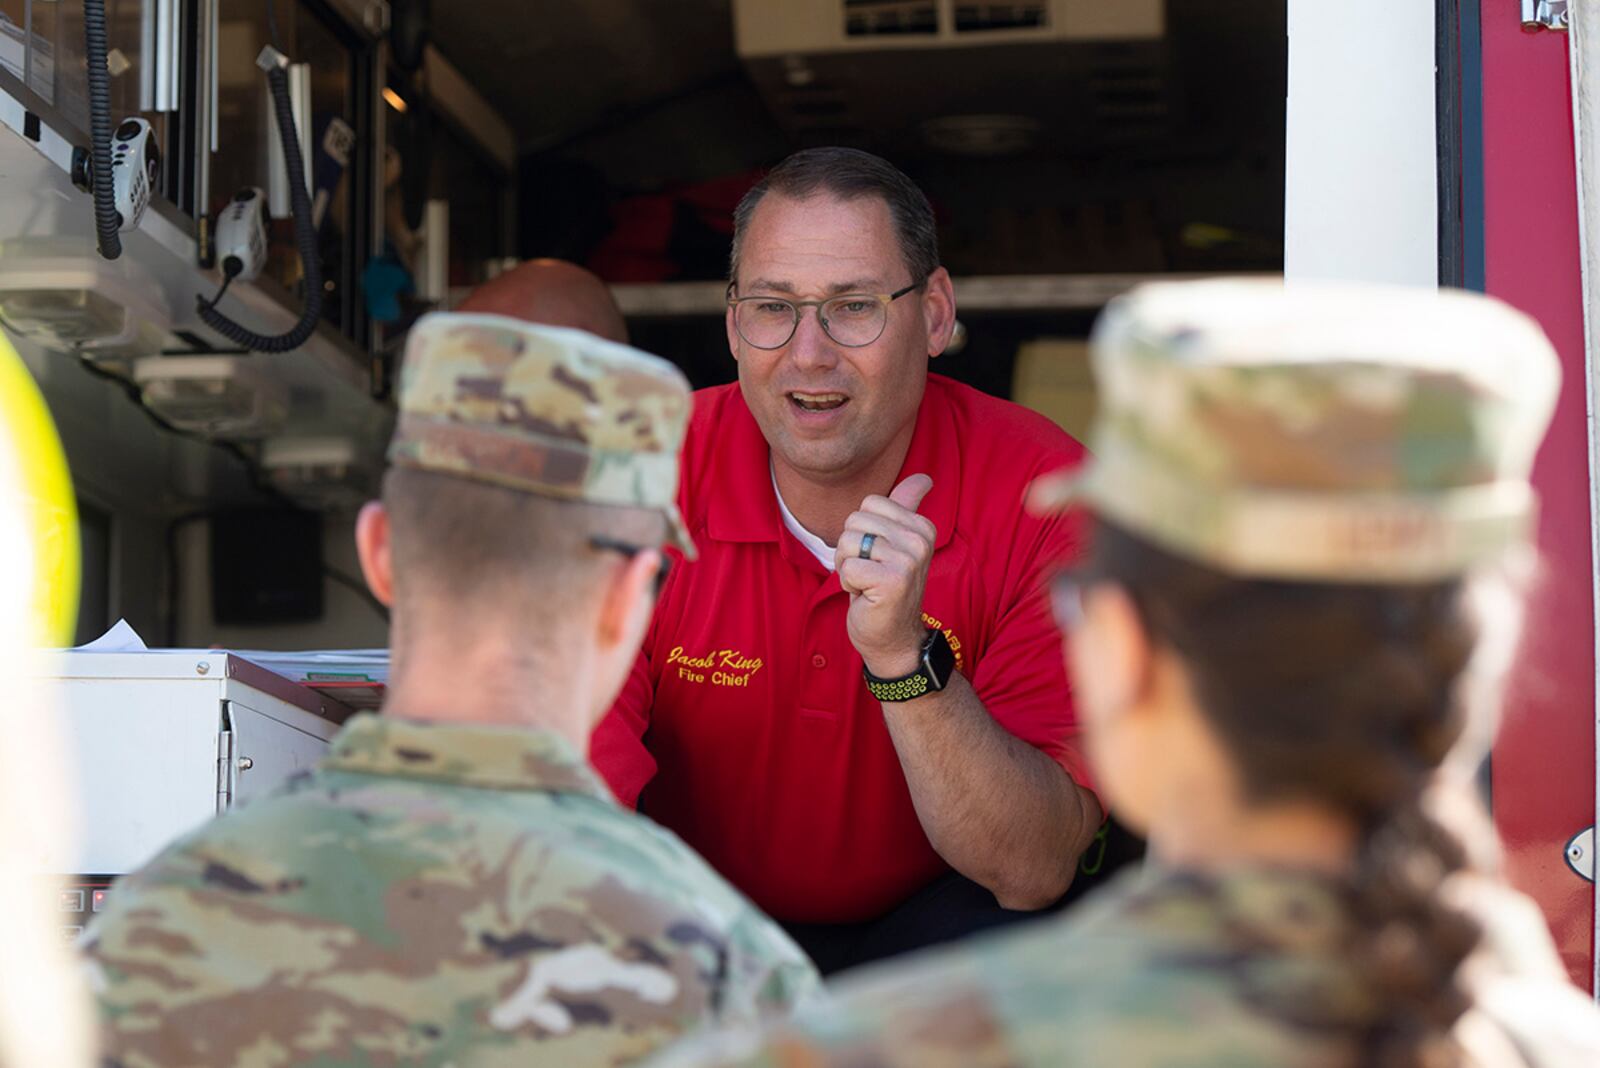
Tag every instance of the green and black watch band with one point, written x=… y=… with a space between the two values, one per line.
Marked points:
x=933 y=674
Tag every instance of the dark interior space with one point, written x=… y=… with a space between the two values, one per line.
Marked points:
x=1042 y=158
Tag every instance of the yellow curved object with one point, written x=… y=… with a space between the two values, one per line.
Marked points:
x=30 y=447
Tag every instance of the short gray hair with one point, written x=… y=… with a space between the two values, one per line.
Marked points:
x=848 y=174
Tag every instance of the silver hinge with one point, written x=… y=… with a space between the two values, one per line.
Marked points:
x=1545 y=15
x=225 y=770
x=1580 y=853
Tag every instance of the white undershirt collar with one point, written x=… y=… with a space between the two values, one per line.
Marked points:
x=813 y=544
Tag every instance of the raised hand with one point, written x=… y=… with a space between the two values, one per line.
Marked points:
x=885 y=582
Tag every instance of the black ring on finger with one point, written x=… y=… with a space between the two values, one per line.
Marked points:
x=867 y=541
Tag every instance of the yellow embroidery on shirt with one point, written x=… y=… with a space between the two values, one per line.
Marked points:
x=949 y=636
x=720 y=667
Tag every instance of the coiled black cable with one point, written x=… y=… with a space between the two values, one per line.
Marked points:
x=305 y=236
x=107 y=221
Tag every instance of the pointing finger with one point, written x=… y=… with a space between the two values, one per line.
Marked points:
x=910 y=492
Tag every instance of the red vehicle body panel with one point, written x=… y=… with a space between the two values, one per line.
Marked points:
x=1544 y=764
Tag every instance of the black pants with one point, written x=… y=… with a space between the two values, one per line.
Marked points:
x=949 y=908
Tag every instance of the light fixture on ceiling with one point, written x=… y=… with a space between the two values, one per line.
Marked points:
x=325 y=472
x=219 y=396
x=63 y=300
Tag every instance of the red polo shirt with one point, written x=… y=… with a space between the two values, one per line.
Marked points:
x=764 y=750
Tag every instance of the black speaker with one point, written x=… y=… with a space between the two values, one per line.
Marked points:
x=266 y=566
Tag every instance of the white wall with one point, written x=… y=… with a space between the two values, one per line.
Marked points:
x=1362 y=194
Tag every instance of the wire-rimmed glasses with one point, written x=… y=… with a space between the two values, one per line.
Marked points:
x=850 y=319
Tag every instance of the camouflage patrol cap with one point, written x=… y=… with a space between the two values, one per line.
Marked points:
x=543 y=409
x=1315 y=431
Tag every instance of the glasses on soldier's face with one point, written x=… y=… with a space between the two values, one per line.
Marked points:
x=630 y=550
x=850 y=319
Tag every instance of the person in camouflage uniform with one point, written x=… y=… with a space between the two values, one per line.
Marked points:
x=1306 y=502
x=453 y=885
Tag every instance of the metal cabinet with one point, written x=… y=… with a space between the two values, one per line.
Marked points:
x=161 y=741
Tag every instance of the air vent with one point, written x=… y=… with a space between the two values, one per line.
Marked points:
x=983 y=18
x=891 y=18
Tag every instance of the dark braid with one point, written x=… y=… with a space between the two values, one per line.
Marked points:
x=1354 y=696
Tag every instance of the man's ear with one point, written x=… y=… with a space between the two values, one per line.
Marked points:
x=375 y=552
x=939 y=311
x=1124 y=656
x=629 y=601
x=733 y=333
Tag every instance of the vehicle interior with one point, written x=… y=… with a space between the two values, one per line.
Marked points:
x=1070 y=148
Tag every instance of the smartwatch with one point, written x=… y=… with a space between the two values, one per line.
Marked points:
x=938 y=663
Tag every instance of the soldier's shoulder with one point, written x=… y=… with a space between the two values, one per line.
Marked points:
x=643 y=853
x=318 y=828
x=968 y=1011
x=1052 y=992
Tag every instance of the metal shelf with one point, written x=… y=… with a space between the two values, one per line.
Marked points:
x=986 y=293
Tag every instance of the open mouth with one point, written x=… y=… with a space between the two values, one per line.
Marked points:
x=818 y=402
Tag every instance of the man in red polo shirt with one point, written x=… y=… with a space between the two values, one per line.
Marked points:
x=857 y=687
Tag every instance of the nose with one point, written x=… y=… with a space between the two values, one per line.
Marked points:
x=811 y=348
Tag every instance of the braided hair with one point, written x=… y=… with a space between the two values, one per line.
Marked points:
x=1360 y=697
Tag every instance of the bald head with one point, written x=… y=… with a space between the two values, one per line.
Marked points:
x=553 y=292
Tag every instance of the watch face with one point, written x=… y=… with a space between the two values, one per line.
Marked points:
x=938 y=659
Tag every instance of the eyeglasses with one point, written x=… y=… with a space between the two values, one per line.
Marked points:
x=850 y=319
x=630 y=550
